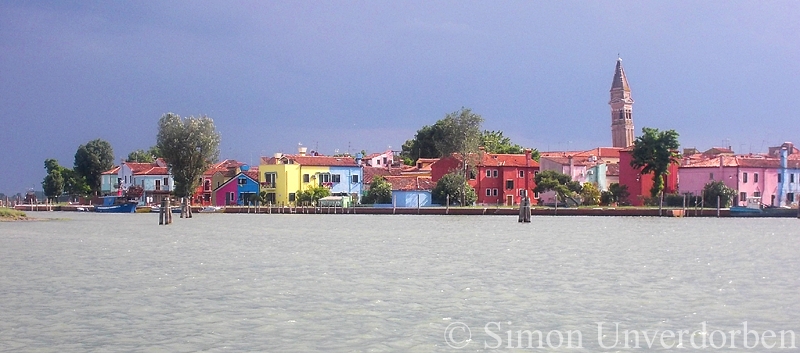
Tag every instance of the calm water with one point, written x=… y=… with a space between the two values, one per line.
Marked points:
x=349 y=283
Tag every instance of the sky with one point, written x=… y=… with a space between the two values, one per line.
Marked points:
x=365 y=75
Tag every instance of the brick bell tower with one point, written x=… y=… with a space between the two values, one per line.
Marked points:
x=621 y=109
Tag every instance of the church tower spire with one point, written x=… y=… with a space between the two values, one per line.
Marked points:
x=621 y=109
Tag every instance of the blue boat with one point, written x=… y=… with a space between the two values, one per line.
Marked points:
x=116 y=204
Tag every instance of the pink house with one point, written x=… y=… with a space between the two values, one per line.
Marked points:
x=749 y=175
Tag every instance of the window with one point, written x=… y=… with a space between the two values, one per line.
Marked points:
x=744 y=177
x=242 y=181
x=488 y=192
x=377 y=162
x=471 y=175
x=324 y=178
x=755 y=177
x=535 y=195
x=166 y=181
x=494 y=192
x=780 y=178
x=158 y=185
x=521 y=192
x=336 y=178
x=742 y=196
x=790 y=197
x=292 y=197
x=271 y=197
x=521 y=173
x=207 y=185
x=509 y=184
x=494 y=173
x=756 y=193
x=710 y=176
x=269 y=179
x=488 y=173
x=791 y=178
x=354 y=179
x=384 y=161
x=306 y=178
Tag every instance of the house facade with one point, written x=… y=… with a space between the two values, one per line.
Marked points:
x=214 y=177
x=238 y=190
x=639 y=184
x=497 y=178
x=282 y=176
x=411 y=190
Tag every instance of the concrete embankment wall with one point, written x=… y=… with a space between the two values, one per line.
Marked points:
x=468 y=211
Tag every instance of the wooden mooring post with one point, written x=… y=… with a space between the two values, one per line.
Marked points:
x=525 y=209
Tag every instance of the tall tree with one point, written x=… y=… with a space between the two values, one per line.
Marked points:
x=189 y=146
x=455 y=186
x=380 y=191
x=140 y=156
x=561 y=183
x=91 y=160
x=423 y=145
x=495 y=142
x=458 y=132
x=653 y=152
x=53 y=183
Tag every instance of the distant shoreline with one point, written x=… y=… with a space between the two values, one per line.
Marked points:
x=465 y=211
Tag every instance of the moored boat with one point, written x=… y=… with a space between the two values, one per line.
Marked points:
x=116 y=204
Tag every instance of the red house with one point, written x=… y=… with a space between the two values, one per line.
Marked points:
x=498 y=179
x=639 y=185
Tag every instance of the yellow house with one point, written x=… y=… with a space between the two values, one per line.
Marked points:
x=282 y=175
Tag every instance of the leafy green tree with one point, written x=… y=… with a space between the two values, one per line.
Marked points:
x=717 y=188
x=423 y=145
x=140 y=156
x=653 y=152
x=189 y=146
x=312 y=194
x=616 y=194
x=590 y=195
x=53 y=183
x=455 y=185
x=562 y=184
x=74 y=184
x=91 y=160
x=458 y=132
x=155 y=152
x=380 y=191
x=495 y=142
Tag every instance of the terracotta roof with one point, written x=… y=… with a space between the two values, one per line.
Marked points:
x=731 y=161
x=114 y=170
x=507 y=160
x=326 y=161
x=153 y=171
x=576 y=160
x=252 y=173
x=601 y=152
x=370 y=173
x=410 y=182
x=718 y=150
x=612 y=169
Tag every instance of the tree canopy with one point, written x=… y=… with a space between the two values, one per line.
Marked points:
x=562 y=184
x=455 y=185
x=717 y=188
x=189 y=146
x=653 y=152
x=458 y=132
x=616 y=194
x=91 y=160
x=142 y=156
x=380 y=191
x=312 y=194
x=53 y=183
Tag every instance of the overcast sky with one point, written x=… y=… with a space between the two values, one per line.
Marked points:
x=366 y=75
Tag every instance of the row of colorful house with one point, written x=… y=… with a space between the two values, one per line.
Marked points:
x=773 y=178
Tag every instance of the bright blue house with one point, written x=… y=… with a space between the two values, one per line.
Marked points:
x=347 y=180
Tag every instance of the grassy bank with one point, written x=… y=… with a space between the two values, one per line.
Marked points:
x=10 y=214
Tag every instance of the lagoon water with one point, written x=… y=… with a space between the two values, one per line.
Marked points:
x=357 y=283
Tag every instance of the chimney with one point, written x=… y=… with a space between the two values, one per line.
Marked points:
x=527 y=157
x=302 y=150
x=278 y=155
